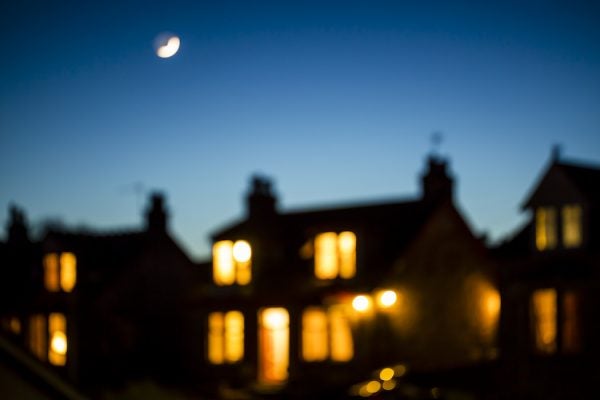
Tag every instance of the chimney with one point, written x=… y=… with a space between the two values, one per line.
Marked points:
x=17 y=226
x=261 y=202
x=156 y=215
x=436 y=184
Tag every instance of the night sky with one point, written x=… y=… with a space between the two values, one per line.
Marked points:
x=335 y=100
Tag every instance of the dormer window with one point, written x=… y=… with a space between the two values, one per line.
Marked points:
x=571 y=226
x=60 y=272
x=335 y=255
x=232 y=262
x=545 y=228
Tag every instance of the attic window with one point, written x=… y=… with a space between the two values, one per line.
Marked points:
x=60 y=272
x=571 y=225
x=335 y=255
x=232 y=262
x=545 y=228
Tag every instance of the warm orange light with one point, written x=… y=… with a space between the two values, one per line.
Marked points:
x=314 y=335
x=373 y=387
x=242 y=251
x=545 y=228
x=38 y=335
x=400 y=370
x=57 y=331
x=326 y=262
x=234 y=336
x=225 y=337
x=361 y=303
x=335 y=255
x=232 y=262
x=51 y=272
x=347 y=254
x=386 y=298
x=68 y=271
x=273 y=345
x=386 y=374
x=342 y=344
x=571 y=224
x=223 y=271
x=389 y=385
x=544 y=316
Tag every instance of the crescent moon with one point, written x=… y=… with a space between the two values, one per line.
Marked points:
x=169 y=48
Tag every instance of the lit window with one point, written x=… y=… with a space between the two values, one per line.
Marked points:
x=314 y=335
x=326 y=335
x=571 y=225
x=60 y=272
x=544 y=320
x=545 y=228
x=274 y=336
x=51 y=272
x=335 y=255
x=232 y=262
x=68 y=271
x=342 y=346
x=571 y=338
x=38 y=336
x=225 y=337
x=57 y=333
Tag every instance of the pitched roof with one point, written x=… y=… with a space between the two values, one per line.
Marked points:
x=585 y=177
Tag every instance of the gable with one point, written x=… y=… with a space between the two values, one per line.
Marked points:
x=555 y=187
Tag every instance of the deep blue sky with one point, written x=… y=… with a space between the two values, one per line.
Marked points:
x=336 y=100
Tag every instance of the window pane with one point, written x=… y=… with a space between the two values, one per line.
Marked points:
x=234 y=336
x=57 y=332
x=342 y=347
x=273 y=345
x=571 y=333
x=314 y=335
x=544 y=320
x=545 y=228
x=223 y=268
x=571 y=225
x=326 y=261
x=215 y=338
x=37 y=336
x=347 y=249
x=68 y=271
x=51 y=272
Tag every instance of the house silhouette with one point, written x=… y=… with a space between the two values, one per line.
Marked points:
x=386 y=299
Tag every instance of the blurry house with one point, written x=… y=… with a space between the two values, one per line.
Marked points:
x=551 y=288
x=102 y=309
x=308 y=301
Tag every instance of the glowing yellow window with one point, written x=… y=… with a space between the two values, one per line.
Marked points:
x=37 y=335
x=571 y=225
x=326 y=335
x=57 y=332
x=342 y=346
x=51 y=272
x=273 y=345
x=68 y=271
x=335 y=255
x=545 y=228
x=60 y=272
x=314 y=335
x=225 y=337
x=232 y=262
x=544 y=320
